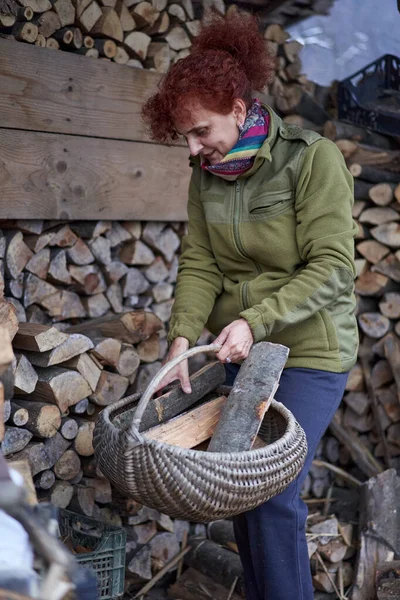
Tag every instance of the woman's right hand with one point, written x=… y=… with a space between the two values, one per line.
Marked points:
x=181 y=371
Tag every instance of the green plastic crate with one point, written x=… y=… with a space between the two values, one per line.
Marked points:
x=108 y=544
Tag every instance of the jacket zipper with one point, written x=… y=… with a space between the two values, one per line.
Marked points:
x=238 y=241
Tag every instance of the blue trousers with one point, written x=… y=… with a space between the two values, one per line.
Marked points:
x=271 y=538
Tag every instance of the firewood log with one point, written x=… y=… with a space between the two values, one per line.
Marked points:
x=358 y=402
x=89 y=278
x=390 y=305
x=79 y=253
x=43 y=419
x=140 y=565
x=129 y=360
x=136 y=252
x=388 y=234
x=83 y=501
x=205 y=587
x=39 y=263
x=359 y=452
x=37 y=290
x=61 y=387
x=45 y=480
x=58 y=272
x=15 y=440
x=377 y=531
x=80 y=407
x=61 y=494
x=178 y=39
x=222 y=565
x=138 y=42
x=25 y=32
x=175 y=401
x=336 y=130
x=83 y=441
x=131 y=327
x=392 y=352
x=18 y=415
x=8 y=319
x=372 y=284
x=63 y=305
x=110 y=388
x=48 y=23
x=106 y=350
x=17 y=252
x=75 y=344
x=149 y=350
x=66 y=12
x=102 y=487
x=379 y=215
x=161 y=26
x=191 y=428
x=68 y=428
x=115 y=298
x=108 y=25
x=115 y=270
x=127 y=21
x=87 y=367
x=372 y=250
x=237 y=413
x=389 y=266
x=144 y=14
x=68 y=465
x=374 y=324
x=96 y=305
x=158 y=56
x=372 y=174
x=89 y=15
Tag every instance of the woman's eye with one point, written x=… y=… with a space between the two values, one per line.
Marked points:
x=201 y=132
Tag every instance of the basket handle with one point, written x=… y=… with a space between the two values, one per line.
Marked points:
x=142 y=405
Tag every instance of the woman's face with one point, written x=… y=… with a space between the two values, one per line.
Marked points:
x=209 y=134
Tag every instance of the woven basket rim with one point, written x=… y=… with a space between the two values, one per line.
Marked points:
x=265 y=451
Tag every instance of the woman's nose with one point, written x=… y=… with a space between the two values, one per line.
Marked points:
x=195 y=147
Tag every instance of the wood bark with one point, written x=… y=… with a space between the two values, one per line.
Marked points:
x=250 y=398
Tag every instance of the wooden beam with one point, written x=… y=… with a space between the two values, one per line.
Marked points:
x=60 y=92
x=47 y=176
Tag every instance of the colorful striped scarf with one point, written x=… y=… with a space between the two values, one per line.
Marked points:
x=241 y=158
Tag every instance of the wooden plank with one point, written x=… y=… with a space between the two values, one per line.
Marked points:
x=61 y=92
x=191 y=428
x=46 y=176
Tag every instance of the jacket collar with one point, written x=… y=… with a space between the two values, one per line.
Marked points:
x=264 y=152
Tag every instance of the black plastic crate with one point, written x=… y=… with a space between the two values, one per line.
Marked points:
x=371 y=97
x=108 y=547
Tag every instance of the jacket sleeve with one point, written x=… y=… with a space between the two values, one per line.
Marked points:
x=199 y=279
x=325 y=234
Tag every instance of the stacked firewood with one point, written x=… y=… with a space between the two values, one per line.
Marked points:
x=371 y=406
x=61 y=382
x=286 y=12
x=150 y=35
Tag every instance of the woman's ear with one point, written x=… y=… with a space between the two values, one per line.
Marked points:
x=239 y=110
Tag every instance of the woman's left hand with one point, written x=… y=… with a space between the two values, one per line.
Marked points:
x=236 y=340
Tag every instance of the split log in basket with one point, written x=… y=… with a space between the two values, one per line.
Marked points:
x=250 y=398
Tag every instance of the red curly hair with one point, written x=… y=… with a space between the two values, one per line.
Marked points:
x=228 y=60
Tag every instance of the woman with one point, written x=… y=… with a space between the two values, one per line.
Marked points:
x=268 y=256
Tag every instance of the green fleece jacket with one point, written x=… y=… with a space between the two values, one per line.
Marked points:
x=275 y=247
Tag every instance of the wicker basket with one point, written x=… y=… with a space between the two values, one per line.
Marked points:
x=190 y=484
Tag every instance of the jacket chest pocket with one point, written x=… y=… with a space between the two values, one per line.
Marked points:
x=214 y=207
x=270 y=204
